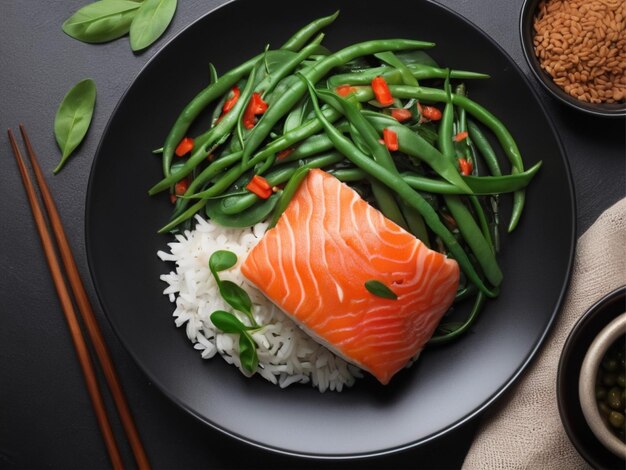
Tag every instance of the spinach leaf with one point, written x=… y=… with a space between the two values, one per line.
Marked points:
x=380 y=290
x=101 y=21
x=151 y=21
x=73 y=118
x=247 y=352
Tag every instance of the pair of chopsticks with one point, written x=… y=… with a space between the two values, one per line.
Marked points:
x=84 y=307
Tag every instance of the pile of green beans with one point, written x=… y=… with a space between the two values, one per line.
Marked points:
x=424 y=186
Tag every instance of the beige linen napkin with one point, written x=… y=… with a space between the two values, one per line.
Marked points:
x=525 y=430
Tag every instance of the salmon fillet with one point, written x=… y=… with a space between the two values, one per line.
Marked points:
x=314 y=264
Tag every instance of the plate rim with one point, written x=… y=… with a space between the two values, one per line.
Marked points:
x=381 y=452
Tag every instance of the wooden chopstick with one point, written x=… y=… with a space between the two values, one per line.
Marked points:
x=85 y=309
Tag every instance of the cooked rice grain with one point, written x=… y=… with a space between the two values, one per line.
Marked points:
x=287 y=355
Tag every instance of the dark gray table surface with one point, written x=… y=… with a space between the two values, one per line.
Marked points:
x=45 y=414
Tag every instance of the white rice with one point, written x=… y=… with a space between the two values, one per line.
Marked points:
x=286 y=354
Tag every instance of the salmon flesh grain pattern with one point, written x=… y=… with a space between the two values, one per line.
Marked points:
x=314 y=265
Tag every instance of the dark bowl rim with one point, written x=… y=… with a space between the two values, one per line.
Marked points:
x=526 y=15
x=607 y=301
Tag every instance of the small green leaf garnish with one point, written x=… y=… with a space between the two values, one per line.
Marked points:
x=222 y=260
x=236 y=297
x=101 y=21
x=73 y=118
x=233 y=294
x=151 y=21
x=380 y=290
x=247 y=352
x=227 y=322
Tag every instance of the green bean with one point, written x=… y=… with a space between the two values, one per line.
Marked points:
x=295 y=136
x=412 y=198
x=484 y=116
x=394 y=76
x=479 y=185
x=489 y=157
x=236 y=204
x=283 y=142
x=268 y=84
x=416 y=146
x=315 y=144
x=288 y=193
x=465 y=292
x=200 y=152
x=205 y=175
x=465 y=150
x=217 y=134
x=485 y=148
x=266 y=165
x=224 y=84
x=416 y=223
x=482 y=221
x=299 y=39
x=349 y=175
x=310 y=146
x=212 y=74
x=464 y=147
x=386 y=203
x=285 y=102
x=475 y=239
x=198 y=104
x=447 y=337
x=445 y=134
x=188 y=214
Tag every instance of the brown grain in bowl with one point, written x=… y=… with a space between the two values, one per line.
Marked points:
x=582 y=45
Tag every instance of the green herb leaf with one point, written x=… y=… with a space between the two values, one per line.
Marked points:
x=381 y=290
x=73 y=118
x=247 y=352
x=222 y=260
x=227 y=322
x=236 y=297
x=101 y=21
x=151 y=21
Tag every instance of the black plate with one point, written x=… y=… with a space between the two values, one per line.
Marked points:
x=448 y=385
x=574 y=350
